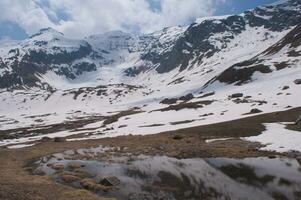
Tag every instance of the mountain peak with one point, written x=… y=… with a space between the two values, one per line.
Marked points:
x=279 y=2
x=48 y=30
x=287 y=4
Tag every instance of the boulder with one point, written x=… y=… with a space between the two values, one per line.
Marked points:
x=110 y=181
x=237 y=95
x=88 y=184
x=297 y=81
x=57 y=166
x=92 y=185
x=285 y=87
x=75 y=165
x=255 y=110
x=68 y=178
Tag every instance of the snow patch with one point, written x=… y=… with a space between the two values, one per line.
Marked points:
x=278 y=138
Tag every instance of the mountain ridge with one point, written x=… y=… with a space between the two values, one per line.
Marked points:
x=219 y=69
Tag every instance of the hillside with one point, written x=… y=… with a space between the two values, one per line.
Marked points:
x=214 y=70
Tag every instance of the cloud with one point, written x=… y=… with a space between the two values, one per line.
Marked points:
x=79 y=18
x=26 y=13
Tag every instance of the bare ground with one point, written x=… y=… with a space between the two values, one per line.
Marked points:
x=17 y=183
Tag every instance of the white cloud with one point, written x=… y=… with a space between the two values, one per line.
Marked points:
x=26 y=13
x=77 y=18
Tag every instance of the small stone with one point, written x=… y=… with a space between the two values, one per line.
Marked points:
x=285 y=87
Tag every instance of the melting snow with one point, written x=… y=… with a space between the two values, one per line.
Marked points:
x=278 y=138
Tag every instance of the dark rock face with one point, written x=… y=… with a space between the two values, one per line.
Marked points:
x=134 y=71
x=23 y=73
x=34 y=63
x=292 y=40
x=41 y=57
x=241 y=73
x=196 y=42
x=80 y=68
x=279 y=18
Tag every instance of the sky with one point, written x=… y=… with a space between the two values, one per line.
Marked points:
x=78 y=18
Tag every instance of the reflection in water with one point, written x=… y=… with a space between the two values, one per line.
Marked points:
x=170 y=178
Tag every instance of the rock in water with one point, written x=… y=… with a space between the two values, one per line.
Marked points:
x=110 y=181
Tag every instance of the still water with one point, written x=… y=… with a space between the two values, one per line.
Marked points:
x=166 y=178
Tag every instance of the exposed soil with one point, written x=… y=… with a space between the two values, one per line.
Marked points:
x=18 y=184
x=46 y=129
x=186 y=105
x=115 y=118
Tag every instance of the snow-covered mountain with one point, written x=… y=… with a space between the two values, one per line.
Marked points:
x=256 y=55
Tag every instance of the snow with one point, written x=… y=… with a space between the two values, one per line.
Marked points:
x=20 y=146
x=278 y=138
x=17 y=107
x=213 y=18
x=218 y=139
